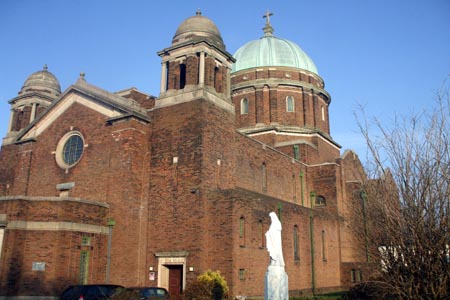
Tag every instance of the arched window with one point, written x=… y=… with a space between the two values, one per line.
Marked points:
x=320 y=201
x=323 y=113
x=242 y=231
x=290 y=104
x=296 y=245
x=244 y=106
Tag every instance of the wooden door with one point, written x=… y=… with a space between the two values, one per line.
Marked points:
x=175 y=281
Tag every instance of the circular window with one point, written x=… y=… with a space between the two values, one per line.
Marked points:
x=70 y=149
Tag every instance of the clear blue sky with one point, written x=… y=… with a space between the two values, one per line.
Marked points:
x=389 y=55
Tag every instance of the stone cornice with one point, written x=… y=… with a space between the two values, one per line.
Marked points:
x=54 y=199
x=56 y=226
x=195 y=42
x=32 y=96
x=172 y=254
x=188 y=95
x=288 y=130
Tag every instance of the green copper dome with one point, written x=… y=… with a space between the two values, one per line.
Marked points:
x=270 y=51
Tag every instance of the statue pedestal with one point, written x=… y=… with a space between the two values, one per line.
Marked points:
x=276 y=285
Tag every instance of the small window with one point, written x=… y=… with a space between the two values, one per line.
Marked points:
x=85 y=240
x=294 y=188
x=320 y=201
x=264 y=176
x=323 y=113
x=261 y=235
x=241 y=274
x=242 y=231
x=296 y=248
x=296 y=152
x=324 y=246
x=356 y=275
x=290 y=104
x=244 y=106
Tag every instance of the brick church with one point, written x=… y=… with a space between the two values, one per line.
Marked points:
x=137 y=190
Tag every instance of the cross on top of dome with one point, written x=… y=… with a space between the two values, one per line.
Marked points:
x=268 y=29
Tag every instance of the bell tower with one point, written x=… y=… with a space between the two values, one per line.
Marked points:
x=192 y=145
x=38 y=92
x=196 y=60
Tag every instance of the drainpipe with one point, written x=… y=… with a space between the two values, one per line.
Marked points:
x=301 y=187
x=311 y=229
x=311 y=234
x=111 y=224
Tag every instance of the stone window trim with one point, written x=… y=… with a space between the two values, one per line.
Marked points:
x=67 y=158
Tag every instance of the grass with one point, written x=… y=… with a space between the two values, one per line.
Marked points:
x=329 y=296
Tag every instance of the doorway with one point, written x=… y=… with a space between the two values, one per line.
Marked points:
x=172 y=272
x=175 y=281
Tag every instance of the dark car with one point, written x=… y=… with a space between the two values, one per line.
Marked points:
x=141 y=293
x=89 y=292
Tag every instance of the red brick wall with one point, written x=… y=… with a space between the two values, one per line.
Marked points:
x=268 y=104
x=117 y=151
x=230 y=205
x=60 y=250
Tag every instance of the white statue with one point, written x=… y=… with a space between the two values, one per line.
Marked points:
x=273 y=241
x=276 y=282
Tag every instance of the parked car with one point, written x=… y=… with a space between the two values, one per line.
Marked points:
x=90 y=292
x=141 y=293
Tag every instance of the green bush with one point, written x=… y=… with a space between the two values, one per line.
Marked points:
x=208 y=286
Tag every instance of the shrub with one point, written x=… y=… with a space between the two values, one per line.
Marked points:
x=371 y=290
x=208 y=286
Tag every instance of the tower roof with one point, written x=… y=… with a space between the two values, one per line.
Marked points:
x=271 y=51
x=196 y=28
x=41 y=80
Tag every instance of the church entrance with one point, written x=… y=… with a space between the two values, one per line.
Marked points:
x=172 y=272
x=175 y=281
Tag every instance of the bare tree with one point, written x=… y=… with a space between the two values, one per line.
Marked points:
x=405 y=204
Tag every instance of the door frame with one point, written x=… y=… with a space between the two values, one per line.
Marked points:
x=171 y=258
